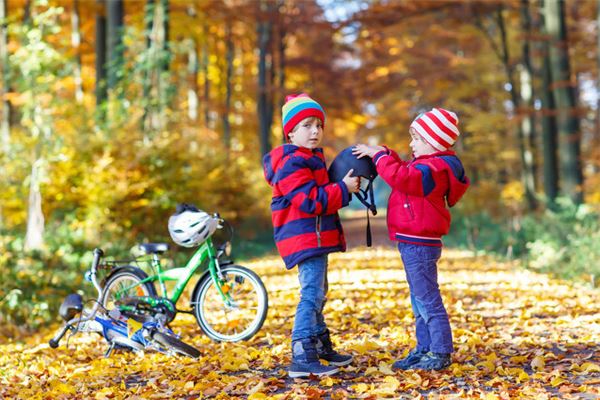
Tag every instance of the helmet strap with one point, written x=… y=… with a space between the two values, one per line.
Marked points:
x=363 y=196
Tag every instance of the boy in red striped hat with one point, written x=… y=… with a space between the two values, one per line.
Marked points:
x=307 y=228
x=418 y=217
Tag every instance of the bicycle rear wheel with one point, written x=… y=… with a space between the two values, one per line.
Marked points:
x=172 y=344
x=125 y=282
x=246 y=311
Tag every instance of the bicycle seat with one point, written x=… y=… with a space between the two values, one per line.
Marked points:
x=154 y=248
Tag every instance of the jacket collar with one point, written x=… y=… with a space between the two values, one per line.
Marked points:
x=436 y=154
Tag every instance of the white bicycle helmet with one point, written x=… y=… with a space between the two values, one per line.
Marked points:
x=190 y=226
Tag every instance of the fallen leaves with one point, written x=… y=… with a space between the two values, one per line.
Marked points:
x=516 y=334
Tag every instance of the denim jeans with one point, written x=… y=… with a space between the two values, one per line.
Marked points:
x=431 y=319
x=309 y=320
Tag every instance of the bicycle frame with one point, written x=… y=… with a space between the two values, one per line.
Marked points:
x=182 y=276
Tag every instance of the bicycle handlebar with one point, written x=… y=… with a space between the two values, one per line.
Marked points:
x=98 y=253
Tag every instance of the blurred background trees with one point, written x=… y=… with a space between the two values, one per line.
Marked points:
x=114 y=111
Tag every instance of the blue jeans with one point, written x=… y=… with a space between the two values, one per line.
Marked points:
x=431 y=319
x=309 y=320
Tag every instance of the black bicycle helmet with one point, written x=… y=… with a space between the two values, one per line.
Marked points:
x=363 y=167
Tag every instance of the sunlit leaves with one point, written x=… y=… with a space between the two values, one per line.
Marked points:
x=516 y=334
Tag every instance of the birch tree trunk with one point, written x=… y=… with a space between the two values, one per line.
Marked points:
x=34 y=236
x=526 y=173
x=192 y=67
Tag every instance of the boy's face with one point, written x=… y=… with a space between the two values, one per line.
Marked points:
x=308 y=133
x=419 y=146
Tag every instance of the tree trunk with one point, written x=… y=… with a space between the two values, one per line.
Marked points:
x=4 y=84
x=163 y=91
x=147 y=72
x=564 y=95
x=528 y=119
x=526 y=176
x=206 y=80
x=281 y=71
x=265 y=73
x=76 y=42
x=34 y=237
x=192 y=87
x=548 y=118
x=598 y=72
x=101 y=93
x=228 y=77
x=114 y=30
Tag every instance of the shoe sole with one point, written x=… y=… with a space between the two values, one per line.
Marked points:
x=340 y=364
x=293 y=374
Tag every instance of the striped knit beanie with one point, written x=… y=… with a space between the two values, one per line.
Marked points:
x=438 y=127
x=298 y=107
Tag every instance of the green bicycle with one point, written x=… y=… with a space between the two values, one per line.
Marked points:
x=229 y=301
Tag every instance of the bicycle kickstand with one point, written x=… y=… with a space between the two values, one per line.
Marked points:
x=109 y=350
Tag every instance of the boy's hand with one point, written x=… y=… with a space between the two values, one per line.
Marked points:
x=352 y=182
x=362 y=150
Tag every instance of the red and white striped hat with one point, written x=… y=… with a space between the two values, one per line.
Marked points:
x=438 y=127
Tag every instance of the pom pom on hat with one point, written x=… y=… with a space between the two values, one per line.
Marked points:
x=439 y=127
x=298 y=107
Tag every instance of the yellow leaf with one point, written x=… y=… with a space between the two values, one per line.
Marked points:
x=391 y=383
x=64 y=388
x=557 y=381
x=488 y=365
x=328 y=381
x=386 y=368
x=189 y=385
x=590 y=367
x=538 y=363
x=257 y=396
x=518 y=359
x=360 y=388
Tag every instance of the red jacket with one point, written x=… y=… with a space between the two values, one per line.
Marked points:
x=304 y=204
x=422 y=191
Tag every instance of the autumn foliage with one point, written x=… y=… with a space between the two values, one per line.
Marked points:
x=517 y=335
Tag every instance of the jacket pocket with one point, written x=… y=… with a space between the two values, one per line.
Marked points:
x=409 y=211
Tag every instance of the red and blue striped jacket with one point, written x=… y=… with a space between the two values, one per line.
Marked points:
x=304 y=204
x=422 y=189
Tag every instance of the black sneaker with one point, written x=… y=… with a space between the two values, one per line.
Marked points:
x=434 y=361
x=411 y=359
x=326 y=352
x=305 y=361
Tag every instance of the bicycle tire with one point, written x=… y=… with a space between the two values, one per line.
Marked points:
x=253 y=296
x=133 y=274
x=174 y=344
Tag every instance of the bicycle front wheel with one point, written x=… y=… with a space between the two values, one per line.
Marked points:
x=240 y=314
x=172 y=344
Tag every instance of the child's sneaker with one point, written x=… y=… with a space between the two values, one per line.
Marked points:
x=411 y=359
x=305 y=360
x=327 y=353
x=434 y=361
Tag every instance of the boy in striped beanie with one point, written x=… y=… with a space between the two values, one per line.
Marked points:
x=307 y=228
x=422 y=191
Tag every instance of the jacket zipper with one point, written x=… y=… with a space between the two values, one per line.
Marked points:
x=407 y=206
x=318 y=230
